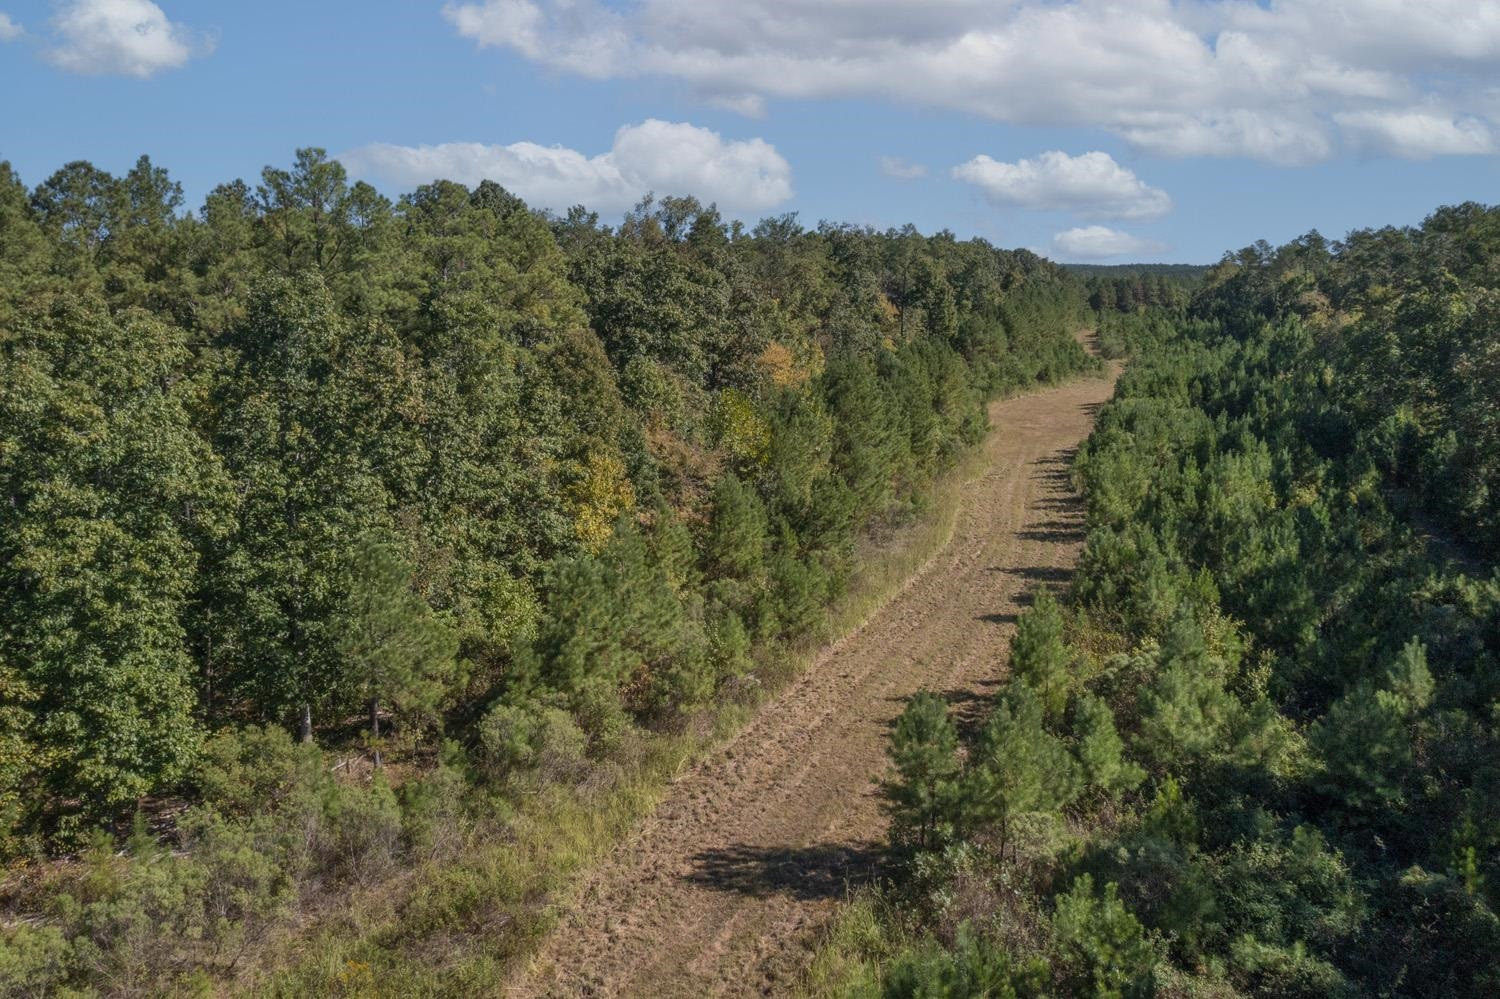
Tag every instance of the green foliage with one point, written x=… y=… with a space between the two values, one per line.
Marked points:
x=397 y=651
x=729 y=646
x=865 y=445
x=1409 y=679
x=255 y=769
x=275 y=825
x=972 y=969
x=1018 y=766
x=1186 y=709
x=1289 y=893
x=1269 y=969
x=111 y=493
x=307 y=495
x=924 y=750
x=1038 y=655
x=531 y=740
x=1286 y=611
x=1099 y=750
x=1104 y=948
x=734 y=546
x=617 y=636
x=1366 y=749
x=308 y=456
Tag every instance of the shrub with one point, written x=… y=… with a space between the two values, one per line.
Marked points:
x=541 y=742
x=247 y=771
x=974 y=969
x=431 y=810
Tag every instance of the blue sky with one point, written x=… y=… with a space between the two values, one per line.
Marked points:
x=1085 y=129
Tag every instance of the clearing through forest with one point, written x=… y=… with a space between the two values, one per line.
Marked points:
x=722 y=890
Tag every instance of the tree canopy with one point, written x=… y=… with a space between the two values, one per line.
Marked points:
x=1277 y=672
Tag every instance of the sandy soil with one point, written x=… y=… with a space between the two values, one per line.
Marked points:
x=723 y=889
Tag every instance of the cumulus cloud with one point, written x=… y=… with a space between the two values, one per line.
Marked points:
x=1417 y=134
x=9 y=30
x=665 y=157
x=1291 y=138
x=1174 y=77
x=898 y=169
x=121 y=38
x=1096 y=242
x=1092 y=185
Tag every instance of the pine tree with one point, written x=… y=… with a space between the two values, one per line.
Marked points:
x=1103 y=946
x=924 y=750
x=1409 y=678
x=734 y=545
x=1365 y=739
x=1099 y=750
x=1018 y=766
x=1038 y=655
x=396 y=651
x=1185 y=710
x=864 y=438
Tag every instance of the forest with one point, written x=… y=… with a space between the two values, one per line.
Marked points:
x=369 y=564
x=1254 y=750
x=1128 y=288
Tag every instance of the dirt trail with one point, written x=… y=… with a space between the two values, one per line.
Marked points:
x=722 y=889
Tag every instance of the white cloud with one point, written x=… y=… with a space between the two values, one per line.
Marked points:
x=576 y=36
x=1092 y=185
x=1174 y=77
x=1295 y=137
x=749 y=105
x=660 y=156
x=9 y=30
x=1095 y=242
x=121 y=38
x=1417 y=134
x=898 y=169
x=543 y=175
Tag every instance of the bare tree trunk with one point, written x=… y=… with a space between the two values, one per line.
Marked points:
x=375 y=730
x=304 y=729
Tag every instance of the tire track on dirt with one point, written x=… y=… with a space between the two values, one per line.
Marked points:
x=721 y=890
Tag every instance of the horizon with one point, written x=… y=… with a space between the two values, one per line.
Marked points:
x=1147 y=132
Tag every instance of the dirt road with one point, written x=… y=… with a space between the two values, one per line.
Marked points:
x=722 y=890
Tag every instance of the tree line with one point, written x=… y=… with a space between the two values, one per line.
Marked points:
x=1255 y=752
x=482 y=493
x=1111 y=291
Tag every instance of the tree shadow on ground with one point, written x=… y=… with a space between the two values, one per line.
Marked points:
x=1055 y=575
x=1060 y=531
x=999 y=618
x=1058 y=463
x=1058 y=504
x=807 y=873
x=971 y=708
